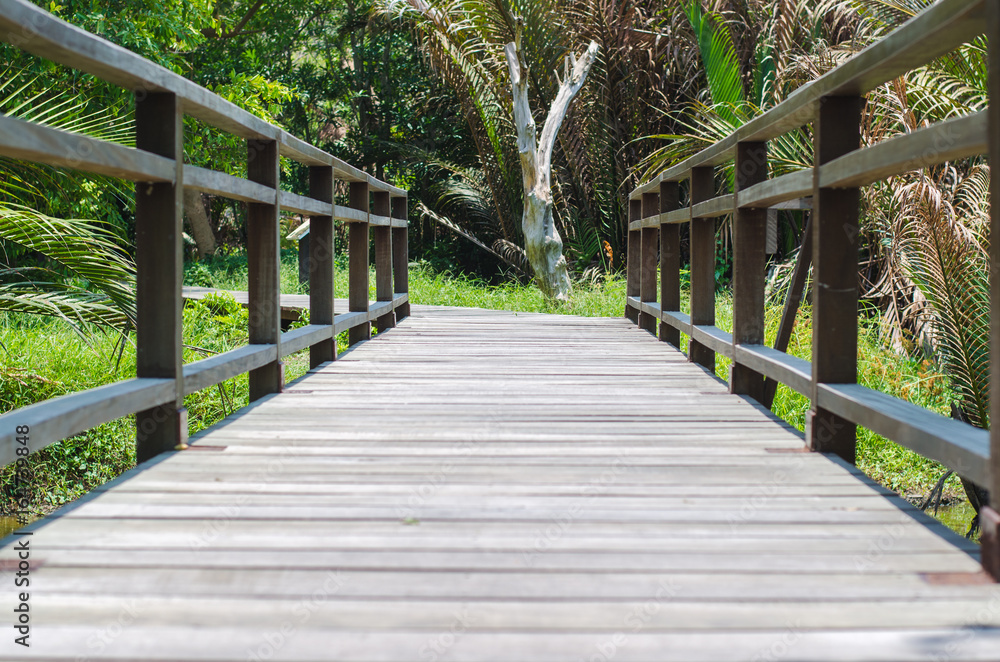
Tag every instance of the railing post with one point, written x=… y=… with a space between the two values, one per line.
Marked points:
x=835 y=273
x=670 y=262
x=358 y=271
x=321 y=265
x=989 y=518
x=749 y=260
x=632 y=267
x=159 y=257
x=649 y=240
x=264 y=266
x=702 y=265
x=401 y=256
x=383 y=259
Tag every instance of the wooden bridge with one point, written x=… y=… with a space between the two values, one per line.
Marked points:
x=481 y=485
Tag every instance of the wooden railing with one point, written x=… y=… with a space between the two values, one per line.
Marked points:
x=833 y=105
x=157 y=166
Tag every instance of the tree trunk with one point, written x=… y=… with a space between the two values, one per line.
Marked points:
x=196 y=212
x=541 y=237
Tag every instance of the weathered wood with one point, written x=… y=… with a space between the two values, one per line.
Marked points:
x=228 y=186
x=305 y=205
x=677 y=216
x=321 y=265
x=211 y=371
x=264 y=266
x=771 y=192
x=634 y=260
x=383 y=258
x=649 y=239
x=951 y=442
x=349 y=215
x=714 y=207
x=989 y=515
x=400 y=255
x=42 y=144
x=670 y=262
x=702 y=265
x=835 y=272
x=159 y=274
x=305 y=337
x=358 y=242
x=56 y=419
x=749 y=260
x=951 y=140
x=778 y=366
x=793 y=298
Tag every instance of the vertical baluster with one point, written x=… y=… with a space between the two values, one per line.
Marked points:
x=702 y=265
x=633 y=266
x=749 y=260
x=383 y=259
x=989 y=518
x=159 y=263
x=358 y=270
x=670 y=262
x=400 y=256
x=835 y=272
x=649 y=244
x=321 y=265
x=264 y=266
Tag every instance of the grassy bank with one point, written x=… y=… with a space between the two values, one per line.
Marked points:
x=44 y=358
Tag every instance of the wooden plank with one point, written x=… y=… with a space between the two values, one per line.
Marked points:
x=670 y=262
x=749 y=269
x=715 y=339
x=381 y=208
x=835 y=275
x=214 y=370
x=715 y=207
x=677 y=320
x=305 y=337
x=951 y=140
x=53 y=420
x=304 y=205
x=349 y=215
x=778 y=366
x=677 y=216
x=322 y=266
x=633 y=277
x=400 y=257
x=358 y=241
x=649 y=240
x=989 y=517
x=771 y=192
x=41 y=144
x=702 y=265
x=228 y=186
x=159 y=258
x=264 y=267
x=380 y=220
x=955 y=444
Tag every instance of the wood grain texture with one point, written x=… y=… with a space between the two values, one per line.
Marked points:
x=670 y=262
x=159 y=258
x=525 y=499
x=702 y=265
x=358 y=246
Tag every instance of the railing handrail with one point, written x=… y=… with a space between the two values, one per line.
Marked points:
x=163 y=99
x=833 y=103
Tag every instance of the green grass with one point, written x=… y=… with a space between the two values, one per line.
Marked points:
x=45 y=358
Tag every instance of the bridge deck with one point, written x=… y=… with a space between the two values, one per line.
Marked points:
x=488 y=486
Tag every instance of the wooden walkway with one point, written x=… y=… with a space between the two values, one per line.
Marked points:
x=477 y=486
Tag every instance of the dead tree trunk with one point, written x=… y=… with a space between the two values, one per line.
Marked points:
x=201 y=226
x=541 y=237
